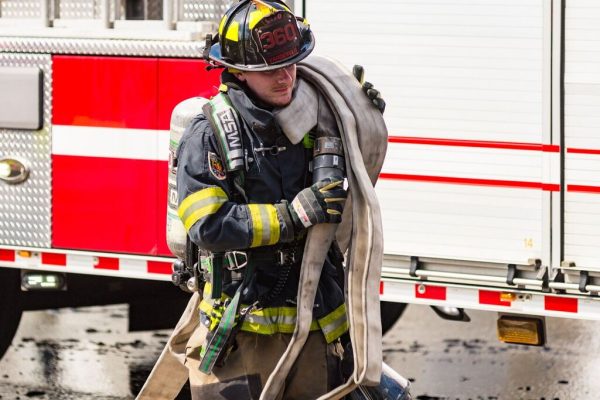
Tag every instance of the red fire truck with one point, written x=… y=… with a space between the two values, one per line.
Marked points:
x=86 y=94
x=489 y=190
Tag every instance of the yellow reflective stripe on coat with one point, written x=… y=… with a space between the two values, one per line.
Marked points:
x=201 y=204
x=334 y=324
x=272 y=320
x=268 y=321
x=265 y=224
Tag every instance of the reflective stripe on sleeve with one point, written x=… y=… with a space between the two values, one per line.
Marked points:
x=265 y=224
x=334 y=324
x=201 y=204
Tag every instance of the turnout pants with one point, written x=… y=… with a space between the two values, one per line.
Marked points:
x=248 y=367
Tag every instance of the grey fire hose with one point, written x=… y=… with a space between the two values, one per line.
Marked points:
x=364 y=136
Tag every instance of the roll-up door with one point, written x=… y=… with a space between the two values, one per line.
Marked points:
x=582 y=134
x=467 y=83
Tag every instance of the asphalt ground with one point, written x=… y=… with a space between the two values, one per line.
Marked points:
x=87 y=353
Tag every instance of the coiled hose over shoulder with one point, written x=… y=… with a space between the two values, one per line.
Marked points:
x=364 y=136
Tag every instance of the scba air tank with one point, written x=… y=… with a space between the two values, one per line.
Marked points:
x=181 y=117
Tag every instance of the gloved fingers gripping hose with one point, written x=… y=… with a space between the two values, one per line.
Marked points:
x=334 y=196
x=373 y=94
x=323 y=202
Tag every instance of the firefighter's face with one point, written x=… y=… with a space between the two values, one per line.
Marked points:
x=273 y=87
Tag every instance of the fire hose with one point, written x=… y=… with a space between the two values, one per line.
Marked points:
x=364 y=136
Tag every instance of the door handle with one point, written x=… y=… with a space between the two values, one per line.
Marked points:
x=13 y=170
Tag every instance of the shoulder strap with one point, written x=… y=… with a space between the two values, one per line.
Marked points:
x=225 y=122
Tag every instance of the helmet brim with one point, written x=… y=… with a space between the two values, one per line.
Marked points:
x=216 y=56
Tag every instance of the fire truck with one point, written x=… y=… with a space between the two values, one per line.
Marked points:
x=490 y=190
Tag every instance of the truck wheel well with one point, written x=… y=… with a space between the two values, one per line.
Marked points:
x=390 y=313
x=10 y=306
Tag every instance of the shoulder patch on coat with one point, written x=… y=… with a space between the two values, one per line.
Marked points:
x=215 y=165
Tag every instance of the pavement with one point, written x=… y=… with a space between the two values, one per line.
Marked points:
x=87 y=353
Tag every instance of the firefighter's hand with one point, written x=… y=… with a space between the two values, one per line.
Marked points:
x=323 y=202
x=373 y=94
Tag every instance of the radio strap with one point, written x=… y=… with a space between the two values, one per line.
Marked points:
x=216 y=275
x=220 y=341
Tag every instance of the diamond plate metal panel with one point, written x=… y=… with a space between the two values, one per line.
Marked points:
x=149 y=48
x=20 y=9
x=78 y=9
x=25 y=208
x=212 y=10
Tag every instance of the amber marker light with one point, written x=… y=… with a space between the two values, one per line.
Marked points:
x=529 y=330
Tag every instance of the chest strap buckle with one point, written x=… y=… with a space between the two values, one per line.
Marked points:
x=287 y=257
x=273 y=150
x=236 y=260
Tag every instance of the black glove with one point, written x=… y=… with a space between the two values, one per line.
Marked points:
x=373 y=94
x=323 y=202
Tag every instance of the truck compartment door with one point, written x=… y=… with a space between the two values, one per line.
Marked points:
x=582 y=136
x=468 y=91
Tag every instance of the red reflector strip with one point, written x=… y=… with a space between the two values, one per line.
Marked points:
x=54 y=259
x=475 y=143
x=583 y=151
x=430 y=292
x=550 y=187
x=107 y=263
x=7 y=255
x=159 y=267
x=583 y=188
x=381 y=287
x=492 y=298
x=560 y=304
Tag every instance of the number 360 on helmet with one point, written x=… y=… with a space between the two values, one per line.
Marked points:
x=261 y=35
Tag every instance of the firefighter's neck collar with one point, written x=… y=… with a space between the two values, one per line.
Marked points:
x=295 y=120
x=300 y=116
x=257 y=119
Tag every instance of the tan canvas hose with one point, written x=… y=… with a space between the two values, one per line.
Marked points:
x=364 y=136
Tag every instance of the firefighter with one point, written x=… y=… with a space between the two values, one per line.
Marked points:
x=247 y=199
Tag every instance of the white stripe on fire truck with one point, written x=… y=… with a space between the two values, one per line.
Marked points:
x=136 y=144
x=87 y=264
x=80 y=261
x=132 y=265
